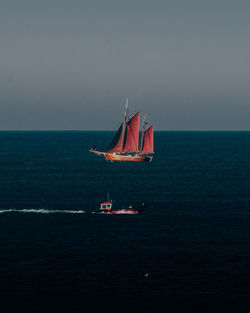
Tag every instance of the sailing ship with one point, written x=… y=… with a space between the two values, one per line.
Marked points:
x=125 y=144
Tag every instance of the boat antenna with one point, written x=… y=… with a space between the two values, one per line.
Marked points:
x=108 y=196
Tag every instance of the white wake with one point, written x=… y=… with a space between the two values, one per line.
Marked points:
x=41 y=211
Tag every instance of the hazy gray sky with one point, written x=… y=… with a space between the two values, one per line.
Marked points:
x=71 y=64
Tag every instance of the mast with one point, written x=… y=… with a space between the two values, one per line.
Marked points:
x=117 y=144
x=124 y=123
x=148 y=141
x=131 y=137
x=142 y=132
x=126 y=109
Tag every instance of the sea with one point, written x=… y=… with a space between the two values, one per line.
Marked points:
x=188 y=252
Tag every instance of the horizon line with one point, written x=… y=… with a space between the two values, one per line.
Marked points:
x=110 y=130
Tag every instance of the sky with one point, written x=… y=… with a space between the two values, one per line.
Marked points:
x=185 y=64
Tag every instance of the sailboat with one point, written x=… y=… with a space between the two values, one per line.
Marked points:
x=125 y=144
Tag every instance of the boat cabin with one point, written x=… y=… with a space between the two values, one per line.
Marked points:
x=106 y=206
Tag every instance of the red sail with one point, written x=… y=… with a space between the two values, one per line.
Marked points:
x=132 y=134
x=117 y=142
x=148 y=141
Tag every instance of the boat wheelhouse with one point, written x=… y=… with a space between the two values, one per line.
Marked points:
x=105 y=206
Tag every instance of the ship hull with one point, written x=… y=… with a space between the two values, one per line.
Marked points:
x=127 y=158
x=125 y=211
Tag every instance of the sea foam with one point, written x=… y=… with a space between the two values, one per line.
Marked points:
x=41 y=211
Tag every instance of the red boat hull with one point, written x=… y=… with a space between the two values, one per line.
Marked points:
x=123 y=157
x=125 y=211
x=127 y=158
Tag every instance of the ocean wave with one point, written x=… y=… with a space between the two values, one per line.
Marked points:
x=41 y=211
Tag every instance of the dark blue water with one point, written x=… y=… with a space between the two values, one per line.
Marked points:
x=189 y=251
